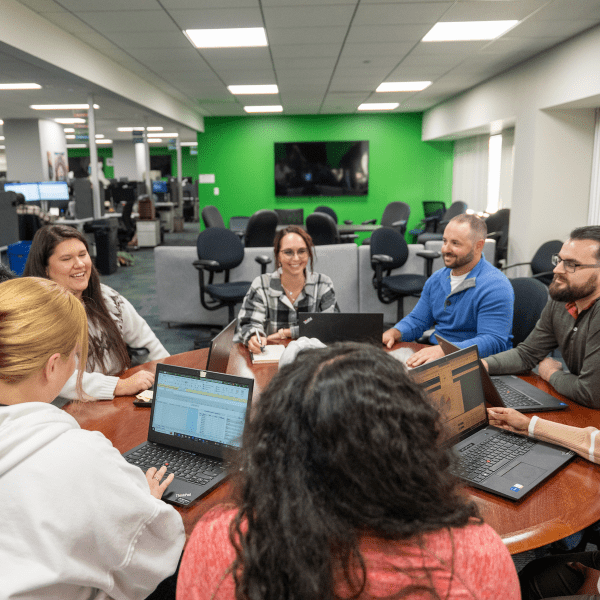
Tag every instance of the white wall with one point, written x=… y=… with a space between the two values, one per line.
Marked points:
x=23 y=153
x=124 y=159
x=53 y=147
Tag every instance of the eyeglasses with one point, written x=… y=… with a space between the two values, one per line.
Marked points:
x=570 y=265
x=301 y=253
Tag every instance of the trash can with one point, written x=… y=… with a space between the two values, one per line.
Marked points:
x=17 y=256
x=106 y=237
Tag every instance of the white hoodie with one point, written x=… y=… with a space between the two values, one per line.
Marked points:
x=77 y=521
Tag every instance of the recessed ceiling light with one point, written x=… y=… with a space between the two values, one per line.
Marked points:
x=69 y=130
x=76 y=145
x=189 y=143
x=104 y=141
x=2 y=138
x=403 y=86
x=465 y=31
x=171 y=135
x=253 y=89
x=69 y=120
x=99 y=135
x=62 y=106
x=130 y=129
x=244 y=37
x=379 y=106
x=20 y=86
x=2 y=147
x=154 y=128
x=154 y=140
x=264 y=109
x=71 y=136
x=1 y=122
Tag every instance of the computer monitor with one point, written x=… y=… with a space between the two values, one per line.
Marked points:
x=31 y=191
x=160 y=187
x=54 y=190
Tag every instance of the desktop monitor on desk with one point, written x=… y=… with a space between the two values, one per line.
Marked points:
x=31 y=191
x=55 y=193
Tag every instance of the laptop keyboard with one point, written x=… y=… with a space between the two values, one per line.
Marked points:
x=478 y=462
x=186 y=466
x=512 y=398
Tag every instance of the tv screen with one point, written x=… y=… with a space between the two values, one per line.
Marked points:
x=322 y=168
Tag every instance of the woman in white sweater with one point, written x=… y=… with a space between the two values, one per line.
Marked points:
x=61 y=253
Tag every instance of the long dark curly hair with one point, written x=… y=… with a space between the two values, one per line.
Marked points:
x=42 y=247
x=341 y=443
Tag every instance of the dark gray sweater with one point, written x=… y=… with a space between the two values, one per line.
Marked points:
x=579 y=343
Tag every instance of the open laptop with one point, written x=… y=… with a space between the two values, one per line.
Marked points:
x=220 y=347
x=197 y=417
x=342 y=327
x=510 y=391
x=491 y=459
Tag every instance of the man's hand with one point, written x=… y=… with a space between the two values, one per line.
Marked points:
x=390 y=337
x=424 y=356
x=509 y=419
x=549 y=366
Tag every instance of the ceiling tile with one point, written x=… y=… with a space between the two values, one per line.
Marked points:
x=387 y=33
x=305 y=50
x=136 y=39
x=400 y=13
x=147 y=21
x=281 y=36
x=78 y=6
x=217 y=18
x=40 y=6
x=208 y=4
x=550 y=29
x=308 y=16
x=560 y=10
x=374 y=50
x=489 y=10
x=283 y=64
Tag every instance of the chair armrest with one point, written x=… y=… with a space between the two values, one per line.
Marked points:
x=429 y=254
x=399 y=223
x=369 y=222
x=263 y=259
x=381 y=259
x=348 y=237
x=348 y=222
x=544 y=274
x=211 y=264
x=515 y=265
x=137 y=351
x=432 y=218
x=494 y=235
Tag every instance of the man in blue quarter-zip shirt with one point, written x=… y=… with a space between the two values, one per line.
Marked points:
x=469 y=302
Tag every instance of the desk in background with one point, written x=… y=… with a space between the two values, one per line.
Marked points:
x=566 y=503
x=166 y=211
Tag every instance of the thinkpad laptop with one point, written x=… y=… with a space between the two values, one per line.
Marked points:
x=491 y=459
x=342 y=327
x=220 y=347
x=197 y=419
x=510 y=391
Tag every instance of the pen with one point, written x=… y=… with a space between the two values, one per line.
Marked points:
x=262 y=348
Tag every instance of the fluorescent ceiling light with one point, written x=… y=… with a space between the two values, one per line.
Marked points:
x=170 y=135
x=20 y=86
x=2 y=147
x=76 y=145
x=154 y=140
x=69 y=130
x=1 y=122
x=244 y=37
x=154 y=128
x=403 y=86
x=69 y=120
x=379 y=106
x=253 y=89
x=99 y=135
x=130 y=129
x=264 y=109
x=104 y=141
x=465 y=31
x=62 y=106
x=2 y=138
x=189 y=143
x=71 y=136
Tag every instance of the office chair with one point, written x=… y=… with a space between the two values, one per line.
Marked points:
x=126 y=229
x=290 y=216
x=345 y=238
x=456 y=208
x=541 y=263
x=497 y=225
x=531 y=296
x=219 y=251
x=389 y=250
x=212 y=217
x=238 y=225
x=395 y=215
x=28 y=225
x=261 y=229
x=433 y=211
x=322 y=229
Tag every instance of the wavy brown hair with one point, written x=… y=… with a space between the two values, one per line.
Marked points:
x=44 y=243
x=298 y=231
x=341 y=444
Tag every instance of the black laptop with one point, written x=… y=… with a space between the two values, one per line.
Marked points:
x=510 y=391
x=220 y=347
x=342 y=327
x=491 y=459
x=197 y=420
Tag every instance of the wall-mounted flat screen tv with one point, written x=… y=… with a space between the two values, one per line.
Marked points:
x=322 y=168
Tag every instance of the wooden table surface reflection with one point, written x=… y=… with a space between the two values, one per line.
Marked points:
x=565 y=504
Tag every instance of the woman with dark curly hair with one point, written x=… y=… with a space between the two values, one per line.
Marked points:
x=343 y=491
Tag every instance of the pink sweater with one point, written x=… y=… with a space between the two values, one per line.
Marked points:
x=483 y=568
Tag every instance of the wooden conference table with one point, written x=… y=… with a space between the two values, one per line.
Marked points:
x=566 y=503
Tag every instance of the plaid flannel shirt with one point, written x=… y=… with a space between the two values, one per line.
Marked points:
x=267 y=308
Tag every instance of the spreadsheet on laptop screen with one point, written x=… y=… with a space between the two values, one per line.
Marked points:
x=200 y=408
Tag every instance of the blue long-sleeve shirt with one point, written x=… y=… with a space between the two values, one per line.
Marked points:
x=479 y=311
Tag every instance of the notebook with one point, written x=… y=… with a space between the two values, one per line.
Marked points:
x=270 y=355
x=509 y=390
x=220 y=347
x=197 y=419
x=491 y=459
x=342 y=327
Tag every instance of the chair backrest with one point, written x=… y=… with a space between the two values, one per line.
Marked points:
x=221 y=245
x=238 y=224
x=542 y=259
x=212 y=217
x=327 y=211
x=126 y=216
x=290 y=216
x=456 y=208
x=531 y=296
x=261 y=228
x=498 y=223
x=322 y=229
x=390 y=242
x=28 y=225
x=395 y=211
x=433 y=206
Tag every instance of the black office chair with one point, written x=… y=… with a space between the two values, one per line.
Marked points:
x=28 y=225
x=261 y=229
x=395 y=215
x=212 y=217
x=541 y=263
x=322 y=229
x=456 y=208
x=219 y=251
x=389 y=250
x=531 y=296
x=126 y=229
x=238 y=225
x=433 y=210
x=345 y=238
x=497 y=225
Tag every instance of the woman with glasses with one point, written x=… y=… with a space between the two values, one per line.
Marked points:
x=274 y=300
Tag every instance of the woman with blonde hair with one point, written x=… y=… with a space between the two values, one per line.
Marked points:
x=77 y=520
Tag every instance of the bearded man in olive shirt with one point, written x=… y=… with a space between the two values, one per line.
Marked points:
x=570 y=321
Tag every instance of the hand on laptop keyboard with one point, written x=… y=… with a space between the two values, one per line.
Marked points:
x=508 y=419
x=157 y=484
x=142 y=380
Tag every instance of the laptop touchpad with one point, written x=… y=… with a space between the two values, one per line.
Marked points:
x=524 y=473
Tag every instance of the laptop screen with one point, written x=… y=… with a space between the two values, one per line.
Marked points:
x=200 y=407
x=453 y=383
x=220 y=347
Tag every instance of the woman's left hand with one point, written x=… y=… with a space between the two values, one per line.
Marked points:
x=154 y=477
x=282 y=334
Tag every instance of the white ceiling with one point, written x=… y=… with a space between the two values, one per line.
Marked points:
x=326 y=56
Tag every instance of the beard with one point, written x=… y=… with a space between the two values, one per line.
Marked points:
x=454 y=262
x=566 y=292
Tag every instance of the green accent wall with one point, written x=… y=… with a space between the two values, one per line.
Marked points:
x=239 y=151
